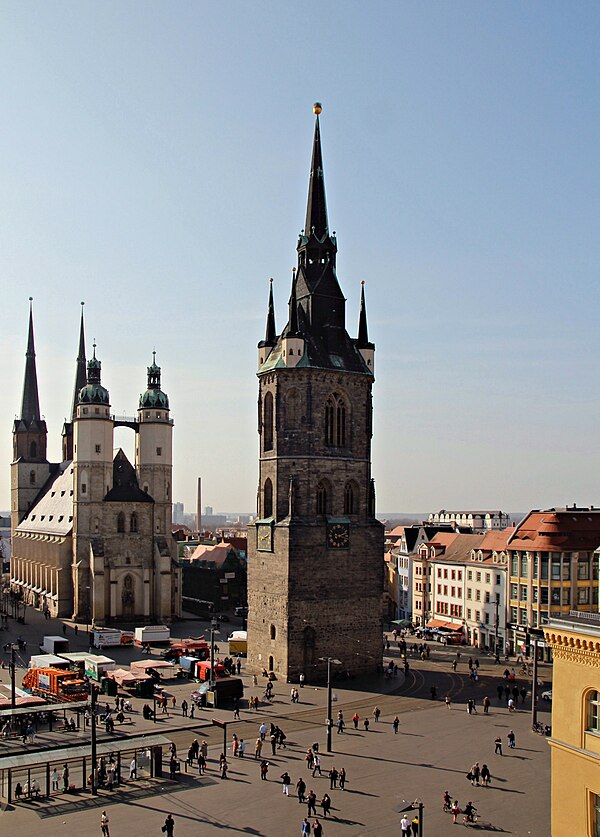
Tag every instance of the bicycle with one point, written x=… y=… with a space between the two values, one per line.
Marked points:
x=470 y=819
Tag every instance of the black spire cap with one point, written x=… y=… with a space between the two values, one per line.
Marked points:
x=80 y=370
x=316 y=210
x=270 y=333
x=363 y=334
x=292 y=326
x=30 y=407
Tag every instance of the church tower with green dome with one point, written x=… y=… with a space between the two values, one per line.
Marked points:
x=93 y=434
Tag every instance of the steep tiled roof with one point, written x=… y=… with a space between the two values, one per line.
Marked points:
x=53 y=512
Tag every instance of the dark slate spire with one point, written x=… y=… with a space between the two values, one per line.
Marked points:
x=80 y=371
x=316 y=210
x=363 y=334
x=270 y=333
x=30 y=407
x=292 y=325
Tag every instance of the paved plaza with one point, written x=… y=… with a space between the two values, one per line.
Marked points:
x=432 y=752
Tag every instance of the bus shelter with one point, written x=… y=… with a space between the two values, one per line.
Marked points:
x=14 y=720
x=36 y=769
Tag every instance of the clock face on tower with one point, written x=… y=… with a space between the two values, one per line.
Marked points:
x=264 y=537
x=338 y=536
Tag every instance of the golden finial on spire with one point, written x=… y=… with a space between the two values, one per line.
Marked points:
x=317 y=108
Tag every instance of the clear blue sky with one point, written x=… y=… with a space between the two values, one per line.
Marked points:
x=154 y=163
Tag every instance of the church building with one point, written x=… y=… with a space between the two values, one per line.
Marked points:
x=91 y=535
x=315 y=559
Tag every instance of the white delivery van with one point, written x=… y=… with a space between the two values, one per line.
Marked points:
x=54 y=645
x=48 y=661
x=106 y=637
x=153 y=634
x=96 y=666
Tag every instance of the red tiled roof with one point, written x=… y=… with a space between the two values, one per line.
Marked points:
x=568 y=530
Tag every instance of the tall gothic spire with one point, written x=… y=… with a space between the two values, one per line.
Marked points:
x=316 y=209
x=30 y=407
x=363 y=334
x=80 y=371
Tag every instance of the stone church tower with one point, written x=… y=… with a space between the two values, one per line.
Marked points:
x=91 y=535
x=315 y=561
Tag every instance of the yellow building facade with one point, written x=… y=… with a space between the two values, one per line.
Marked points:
x=575 y=741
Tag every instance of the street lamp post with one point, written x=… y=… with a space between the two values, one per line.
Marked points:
x=329 y=720
x=13 y=687
x=213 y=630
x=93 y=700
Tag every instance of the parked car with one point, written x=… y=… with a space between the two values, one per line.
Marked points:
x=224 y=618
x=241 y=611
x=547 y=695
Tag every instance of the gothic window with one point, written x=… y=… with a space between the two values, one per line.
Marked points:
x=322 y=498
x=335 y=421
x=273 y=632
x=120 y=522
x=349 y=499
x=268 y=499
x=133 y=522
x=268 y=422
x=33 y=450
x=32 y=478
x=292 y=410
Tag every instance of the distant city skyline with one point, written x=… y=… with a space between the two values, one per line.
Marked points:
x=155 y=164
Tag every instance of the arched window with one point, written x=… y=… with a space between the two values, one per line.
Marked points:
x=349 y=499
x=292 y=410
x=133 y=522
x=268 y=499
x=322 y=498
x=335 y=421
x=268 y=422
x=273 y=632
x=120 y=522
x=593 y=711
x=33 y=450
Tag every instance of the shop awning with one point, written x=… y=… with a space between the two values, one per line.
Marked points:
x=440 y=624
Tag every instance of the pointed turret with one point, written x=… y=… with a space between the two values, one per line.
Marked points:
x=316 y=210
x=292 y=339
x=265 y=346
x=366 y=348
x=30 y=406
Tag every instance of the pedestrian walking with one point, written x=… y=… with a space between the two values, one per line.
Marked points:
x=104 y=824
x=333 y=778
x=376 y=714
x=274 y=744
x=285 y=783
x=366 y=724
x=448 y=702
x=258 y=748
x=264 y=769
x=317 y=765
x=474 y=774
x=201 y=764
x=485 y=776
x=405 y=826
x=414 y=824
x=169 y=826
x=355 y=720
x=65 y=778
x=184 y=708
x=498 y=746
x=396 y=724
x=342 y=778
x=55 y=779
x=305 y=832
x=301 y=681
x=511 y=740
x=486 y=705
x=317 y=829
x=301 y=790
x=326 y=804
x=263 y=730
x=223 y=766
x=311 y=801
